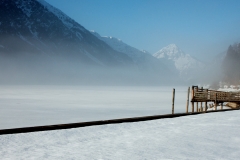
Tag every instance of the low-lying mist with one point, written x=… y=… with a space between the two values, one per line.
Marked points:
x=36 y=70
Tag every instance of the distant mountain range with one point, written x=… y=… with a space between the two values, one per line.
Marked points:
x=142 y=59
x=40 y=43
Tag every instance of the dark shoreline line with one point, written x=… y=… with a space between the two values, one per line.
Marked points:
x=101 y=122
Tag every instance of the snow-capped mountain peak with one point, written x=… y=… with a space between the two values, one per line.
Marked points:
x=184 y=63
x=171 y=51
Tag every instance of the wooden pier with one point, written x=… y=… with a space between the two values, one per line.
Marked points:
x=200 y=95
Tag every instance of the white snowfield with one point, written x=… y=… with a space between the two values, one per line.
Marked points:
x=206 y=136
x=26 y=106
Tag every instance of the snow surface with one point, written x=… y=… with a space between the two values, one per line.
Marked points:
x=229 y=90
x=207 y=136
x=24 y=106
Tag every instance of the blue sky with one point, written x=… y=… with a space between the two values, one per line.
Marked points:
x=201 y=28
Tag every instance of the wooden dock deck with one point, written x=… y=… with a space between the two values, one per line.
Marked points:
x=203 y=95
x=218 y=97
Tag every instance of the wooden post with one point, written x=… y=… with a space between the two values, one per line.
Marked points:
x=207 y=94
x=197 y=107
x=173 y=98
x=206 y=106
x=197 y=102
x=192 y=107
x=192 y=92
x=192 y=99
x=187 y=99
x=216 y=101
x=201 y=108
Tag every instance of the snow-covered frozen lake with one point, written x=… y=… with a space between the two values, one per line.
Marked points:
x=208 y=136
x=22 y=106
x=205 y=136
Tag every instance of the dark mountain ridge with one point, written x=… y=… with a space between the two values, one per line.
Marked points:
x=28 y=26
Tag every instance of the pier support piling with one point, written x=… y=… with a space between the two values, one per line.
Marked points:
x=201 y=108
x=187 y=99
x=173 y=98
x=215 y=100
x=206 y=108
x=192 y=107
x=197 y=107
